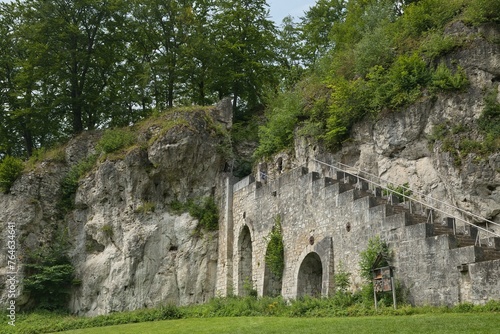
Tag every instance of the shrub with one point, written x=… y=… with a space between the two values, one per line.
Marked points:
x=350 y=101
x=115 y=139
x=10 y=169
x=401 y=191
x=480 y=11
x=369 y=255
x=107 y=230
x=444 y=79
x=49 y=275
x=405 y=80
x=69 y=184
x=282 y=117
x=489 y=121
x=204 y=210
x=146 y=207
x=275 y=256
x=437 y=44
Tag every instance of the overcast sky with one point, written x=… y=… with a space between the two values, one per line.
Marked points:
x=281 y=8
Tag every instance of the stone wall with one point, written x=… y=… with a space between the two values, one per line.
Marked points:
x=327 y=223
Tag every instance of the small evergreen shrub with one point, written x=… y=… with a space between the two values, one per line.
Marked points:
x=10 y=169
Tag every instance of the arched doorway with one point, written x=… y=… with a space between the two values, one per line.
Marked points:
x=310 y=276
x=245 y=262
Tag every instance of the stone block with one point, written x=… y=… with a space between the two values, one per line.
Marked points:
x=464 y=255
x=243 y=183
x=418 y=231
x=396 y=221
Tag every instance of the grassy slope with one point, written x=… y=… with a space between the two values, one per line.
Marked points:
x=441 y=323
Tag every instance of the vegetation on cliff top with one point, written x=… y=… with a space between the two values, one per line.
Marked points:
x=377 y=58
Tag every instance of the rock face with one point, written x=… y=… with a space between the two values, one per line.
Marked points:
x=127 y=246
x=397 y=146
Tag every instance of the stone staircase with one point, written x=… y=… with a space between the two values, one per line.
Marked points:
x=486 y=250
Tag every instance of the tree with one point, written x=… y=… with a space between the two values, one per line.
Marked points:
x=80 y=43
x=163 y=31
x=25 y=123
x=289 y=46
x=316 y=27
x=244 y=41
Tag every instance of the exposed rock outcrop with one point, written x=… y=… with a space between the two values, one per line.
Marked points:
x=128 y=248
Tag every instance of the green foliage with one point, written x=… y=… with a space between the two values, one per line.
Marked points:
x=369 y=255
x=49 y=322
x=426 y=15
x=405 y=80
x=444 y=79
x=204 y=209
x=56 y=154
x=401 y=191
x=282 y=116
x=10 y=169
x=436 y=44
x=115 y=139
x=275 y=255
x=69 y=184
x=341 y=279
x=49 y=275
x=489 y=122
x=481 y=11
x=349 y=103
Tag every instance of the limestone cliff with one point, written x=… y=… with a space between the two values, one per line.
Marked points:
x=128 y=248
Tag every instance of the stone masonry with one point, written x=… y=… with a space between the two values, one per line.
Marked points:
x=326 y=223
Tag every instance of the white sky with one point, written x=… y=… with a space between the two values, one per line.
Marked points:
x=281 y=8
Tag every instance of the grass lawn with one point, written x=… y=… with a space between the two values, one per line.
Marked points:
x=426 y=323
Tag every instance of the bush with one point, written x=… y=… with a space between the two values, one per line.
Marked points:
x=275 y=256
x=49 y=275
x=444 y=79
x=369 y=255
x=69 y=184
x=115 y=139
x=402 y=192
x=489 y=121
x=10 y=169
x=481 y=11
x=282 y=118
x=204 y=210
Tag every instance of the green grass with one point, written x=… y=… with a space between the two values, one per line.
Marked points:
x=442 y=323
x=267 y=315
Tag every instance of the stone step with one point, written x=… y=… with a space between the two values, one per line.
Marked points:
x=490 y=254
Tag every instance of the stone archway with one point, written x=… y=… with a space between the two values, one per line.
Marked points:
x=309 y=280
x=245 y=278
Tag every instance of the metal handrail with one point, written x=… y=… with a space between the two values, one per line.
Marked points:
x=412 y=199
